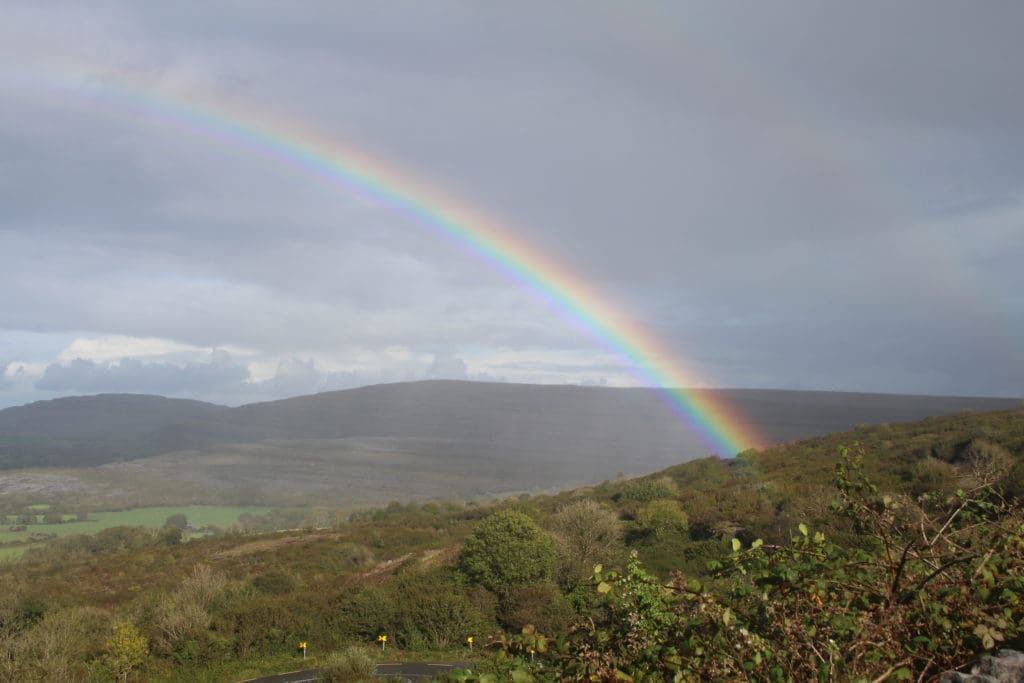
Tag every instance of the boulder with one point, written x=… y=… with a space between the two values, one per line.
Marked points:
x=1005 y=666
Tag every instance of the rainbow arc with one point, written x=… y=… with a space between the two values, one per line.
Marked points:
x=578 y=301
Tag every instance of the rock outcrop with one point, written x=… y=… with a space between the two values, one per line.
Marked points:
x=1005 y=666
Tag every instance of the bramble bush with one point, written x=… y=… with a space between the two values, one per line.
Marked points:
x=925 y=586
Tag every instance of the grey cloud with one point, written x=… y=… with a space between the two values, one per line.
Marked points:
x=226 y=379
x=770 y=189
x=296 y=376
x=135 y=376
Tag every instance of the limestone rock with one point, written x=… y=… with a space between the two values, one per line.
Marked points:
x=1005 y=666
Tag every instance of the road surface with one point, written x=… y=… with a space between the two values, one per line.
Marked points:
x=410 y=671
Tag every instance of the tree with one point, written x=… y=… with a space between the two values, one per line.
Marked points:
x=170 y=535
x=663 y=518
x=436 y=612
x=587 y=534
x=54 y=649
x=53 y=518
x=126 y=648
x=185 y=613
x=507 y=550
x=648 y=489
x=177 y=521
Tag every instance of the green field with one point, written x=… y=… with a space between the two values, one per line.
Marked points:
x=11 y=552
x=199 y=517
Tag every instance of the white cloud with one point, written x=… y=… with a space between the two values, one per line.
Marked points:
x=115 y=347
x=23 y=371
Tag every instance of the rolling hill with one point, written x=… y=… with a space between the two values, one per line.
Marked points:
x=434 y=439
x=86 y=430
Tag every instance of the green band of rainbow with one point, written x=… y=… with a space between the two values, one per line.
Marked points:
x=719 y=426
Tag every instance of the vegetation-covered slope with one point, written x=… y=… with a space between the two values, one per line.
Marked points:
x=89 y=430
x=423 y=574
x=492 y=418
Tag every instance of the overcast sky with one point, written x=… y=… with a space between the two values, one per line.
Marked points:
x=795 y=195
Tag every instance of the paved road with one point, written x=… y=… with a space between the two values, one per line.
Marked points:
x=411 y=671
x=416 y=671
x=291 y=677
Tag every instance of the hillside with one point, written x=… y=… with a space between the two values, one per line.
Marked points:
x=219 y=608
x=483 y=420
x=417 y=441
x=90 y=430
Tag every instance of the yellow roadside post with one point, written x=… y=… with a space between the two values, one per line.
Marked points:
x=470 y=641
x=302 y=648
x=383 y=639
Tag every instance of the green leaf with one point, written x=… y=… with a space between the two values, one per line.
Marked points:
x=603 y=587
x=757 y=544
x=736 y=545
x=803 y=528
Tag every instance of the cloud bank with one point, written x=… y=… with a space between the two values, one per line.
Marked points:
x=802 y=195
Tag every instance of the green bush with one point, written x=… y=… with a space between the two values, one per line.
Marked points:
x=437 y=612
x=274 y=582
x=353 y=665
x=506 y=551
x=649 y=489
x=924 y=590
x=362 y=613
x=541 y=605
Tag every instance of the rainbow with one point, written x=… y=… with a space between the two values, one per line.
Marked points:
x=721 y=428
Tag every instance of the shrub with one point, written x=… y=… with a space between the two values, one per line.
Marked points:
x=126 y=648
x=923 y=590
x=436 y=612
x=646 y=490
x=353 y=665
x=507 y=550
x=540 y=605
x=363 y=613
x=587 y=534
x=274 y=582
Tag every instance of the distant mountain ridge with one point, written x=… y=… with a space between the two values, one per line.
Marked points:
x=90 y=430
x=470 y=418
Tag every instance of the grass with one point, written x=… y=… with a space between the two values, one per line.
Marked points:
x=11 y=552
x=198 y=516
x=239 y=670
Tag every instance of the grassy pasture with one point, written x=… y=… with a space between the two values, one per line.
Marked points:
x=199 y=517
x=11 y=552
